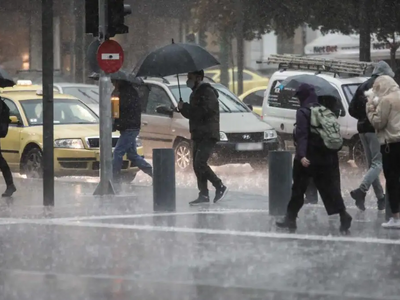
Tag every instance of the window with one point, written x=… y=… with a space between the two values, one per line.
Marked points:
x=13 y=109
x=65 y=112
x=87 y=95
x=349 y=91
x=255 y=99
x=282 y=98
x=157 y=97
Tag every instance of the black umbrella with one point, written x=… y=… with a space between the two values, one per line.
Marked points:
x=5 y=79
x=120 y=75
x=322 y=86
x=175 y=59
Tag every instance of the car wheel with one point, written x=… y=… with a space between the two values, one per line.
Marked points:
x=128 y=177
x=32 y=163
x=359 y=155
x=183 y=156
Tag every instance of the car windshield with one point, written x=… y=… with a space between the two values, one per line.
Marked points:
x=350 y=90
x=88 y=95
x=228 y=102
x=65 y=112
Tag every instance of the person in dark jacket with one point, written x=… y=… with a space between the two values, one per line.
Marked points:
x=128 y=124
x=203 y=114
x=313 y=160
x=369 y=140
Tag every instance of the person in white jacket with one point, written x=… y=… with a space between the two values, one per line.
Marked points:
x=383 y=110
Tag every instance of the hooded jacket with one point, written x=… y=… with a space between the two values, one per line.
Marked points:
x=130 y=108
x=358 y=103
x=383 y=109
x=309 y=144
x=203 y=113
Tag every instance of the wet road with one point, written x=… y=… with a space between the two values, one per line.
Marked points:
x=118 y=248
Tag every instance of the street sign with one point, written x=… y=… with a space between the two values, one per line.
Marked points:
x=110 y=56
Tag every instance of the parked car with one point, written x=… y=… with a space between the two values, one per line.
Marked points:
x=245 y=138
x=254 y=99
x=76 y=135
x=282 y=115
x=251 y=79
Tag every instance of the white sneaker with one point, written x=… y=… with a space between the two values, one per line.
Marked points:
x=393 y=223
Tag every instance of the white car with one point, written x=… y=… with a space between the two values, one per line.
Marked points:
x=282 y=116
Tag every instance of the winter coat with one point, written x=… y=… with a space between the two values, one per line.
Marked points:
x=308 y=144
x=130 y=110
x=203 y=113
x=383 y=109
x=358 y=103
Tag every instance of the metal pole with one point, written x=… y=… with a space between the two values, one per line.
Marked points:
x=280 y=181
x=48 y=105
x=240 y=45
x=105 y=186
x=164 y=190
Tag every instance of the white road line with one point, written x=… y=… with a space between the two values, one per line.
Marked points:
x=272 y=235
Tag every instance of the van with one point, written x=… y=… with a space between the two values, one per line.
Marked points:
x=282 y=116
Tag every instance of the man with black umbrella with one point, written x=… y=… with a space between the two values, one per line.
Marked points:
x=128 y=124
x=203 y=114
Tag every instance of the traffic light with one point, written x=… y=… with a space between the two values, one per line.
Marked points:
x=92 y=17
x=117 y=11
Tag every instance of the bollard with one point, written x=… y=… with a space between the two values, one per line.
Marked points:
x=164 y=191
x=280 y=181
x=311 y=193
x=388 y=210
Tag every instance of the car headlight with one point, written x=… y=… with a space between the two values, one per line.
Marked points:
x=270 y=134
x=223 y=137
x=69 y=143
x=138 y=142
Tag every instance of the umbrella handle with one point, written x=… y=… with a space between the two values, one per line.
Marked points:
x=179 y=88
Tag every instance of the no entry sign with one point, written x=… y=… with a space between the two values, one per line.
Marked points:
x=110 y=56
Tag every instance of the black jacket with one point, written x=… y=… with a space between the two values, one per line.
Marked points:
x=357 y=108
x=203 y=113
x=130 y=109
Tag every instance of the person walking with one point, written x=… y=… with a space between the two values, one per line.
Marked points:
x=5 y=169
x=369 y=140
x=383 y=110
x=314 y=160
x=203 y=114
x=128 y=124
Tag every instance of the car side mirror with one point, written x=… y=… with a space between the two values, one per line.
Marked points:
x=164 y=110
x=14 y=120
x=250 y=106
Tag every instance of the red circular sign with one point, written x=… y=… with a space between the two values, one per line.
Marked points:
x=110 y=56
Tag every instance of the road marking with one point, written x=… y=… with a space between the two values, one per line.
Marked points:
x=272 y=235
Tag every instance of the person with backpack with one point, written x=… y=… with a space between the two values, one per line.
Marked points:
x=5 y=169
x=317 y=139
x=369 y=141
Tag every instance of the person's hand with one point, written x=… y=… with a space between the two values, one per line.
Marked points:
x=180 y=104
x=305 y=162
x=371 y=108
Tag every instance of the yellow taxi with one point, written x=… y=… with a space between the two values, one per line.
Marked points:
x=76 y=135
x=251 y=79
x=254 y=98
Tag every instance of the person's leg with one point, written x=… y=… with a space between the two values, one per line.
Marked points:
x=119 y=151
x=5 y=169
x=134 y=157
x=391 y=170
x=201 y=180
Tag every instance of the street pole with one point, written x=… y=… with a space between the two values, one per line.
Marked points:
x=48 y=104
x=105 y=186
x=240 y=45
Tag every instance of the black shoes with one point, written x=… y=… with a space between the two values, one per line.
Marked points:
x=382 y=203
x=345 y=222
x=359 y=196
x=200 y=200
x=11 y=189
x=287 y=223
x=220 y=193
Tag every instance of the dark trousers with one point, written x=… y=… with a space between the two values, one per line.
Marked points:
x=391 y=170
x=5 y=169
x=327 y=180
x=202 y=150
